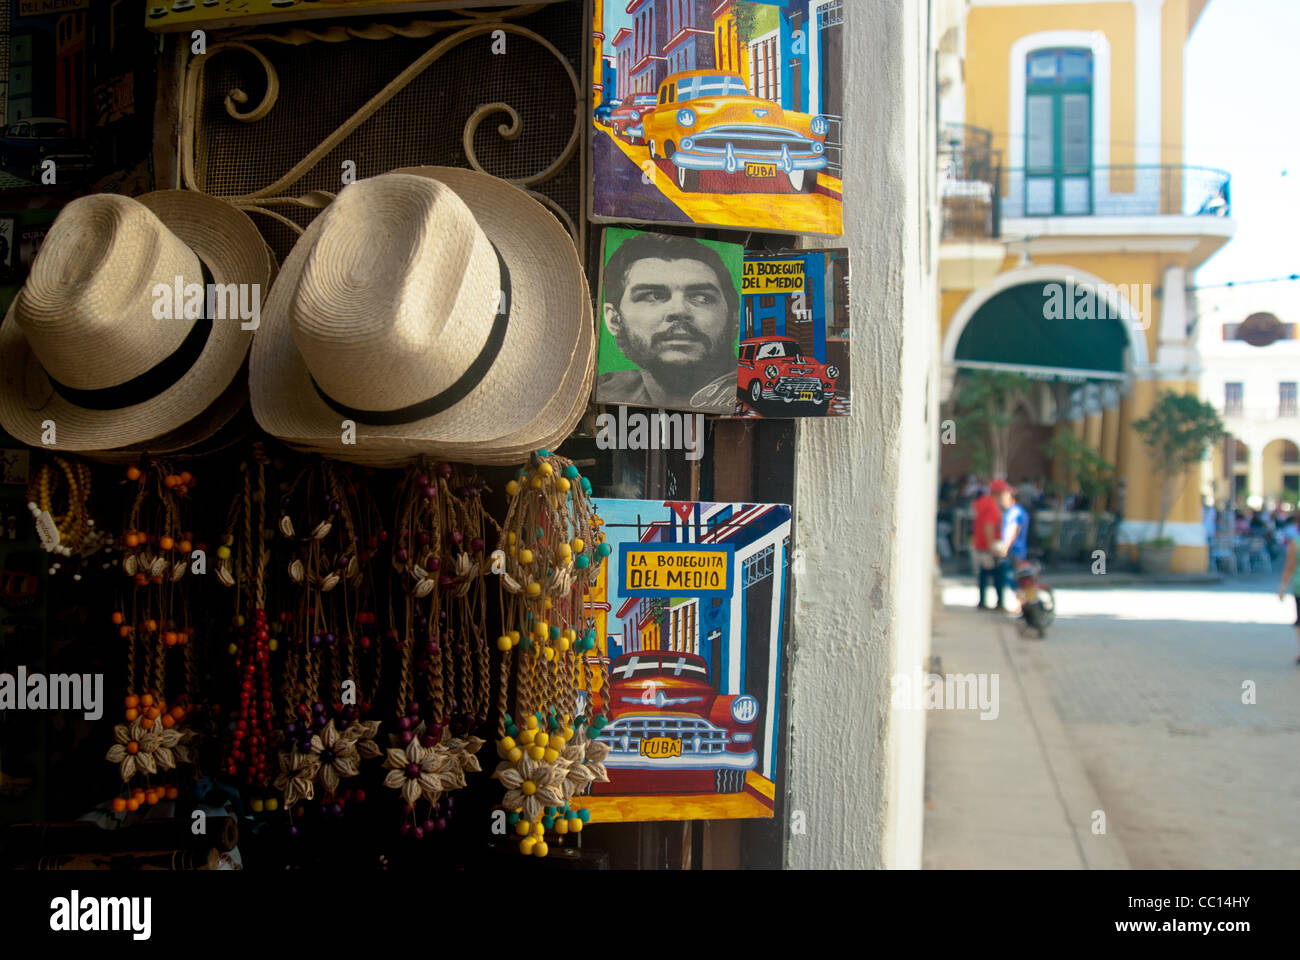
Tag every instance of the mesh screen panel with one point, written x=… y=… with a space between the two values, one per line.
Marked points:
x=323 y=84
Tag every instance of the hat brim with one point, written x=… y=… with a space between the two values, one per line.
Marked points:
x=384 y=452
x=229 y=244
x=534 y=393
x=199 y=437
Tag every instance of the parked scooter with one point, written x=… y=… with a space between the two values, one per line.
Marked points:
x=1037 y=602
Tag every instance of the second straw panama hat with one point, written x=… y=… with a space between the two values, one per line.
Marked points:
x=442 y=311
x=81 y=345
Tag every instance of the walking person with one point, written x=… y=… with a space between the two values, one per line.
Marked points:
x=986 y=543
x=1291 y=581
x=1015 y=537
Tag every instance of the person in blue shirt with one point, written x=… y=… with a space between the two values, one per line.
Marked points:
x=1015 y=535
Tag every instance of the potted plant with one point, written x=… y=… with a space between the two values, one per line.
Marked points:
x=988 y=404
x=1090 y=473
x=1178 y=433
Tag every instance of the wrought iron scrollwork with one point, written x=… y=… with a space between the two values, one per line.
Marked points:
x=463 y=27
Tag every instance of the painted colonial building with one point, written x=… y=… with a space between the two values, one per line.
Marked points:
x=729 y=53
x=1250 y=356
x=1071 y=227
x=788 y=53
x=601 y=91
x=690 y=35
x=649 y=37
x=622 y=44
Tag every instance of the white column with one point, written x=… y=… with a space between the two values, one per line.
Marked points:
x=840 y=691
x=1176 y=354
x=1255 y=477
x=1148 y=81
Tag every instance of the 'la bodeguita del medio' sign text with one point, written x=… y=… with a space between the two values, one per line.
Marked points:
x=675 y=569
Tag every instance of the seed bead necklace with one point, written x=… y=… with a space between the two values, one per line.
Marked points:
x=156 y=557
x=438 y=563
x=322 y=743
x=71 y=532
x=547 y=755
x=241 y=564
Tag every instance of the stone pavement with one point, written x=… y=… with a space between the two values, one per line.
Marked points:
x=1010 y=791
x=1145 y=691
x=1151 y=688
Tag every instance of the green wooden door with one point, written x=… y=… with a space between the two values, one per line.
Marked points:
x=1058 y=133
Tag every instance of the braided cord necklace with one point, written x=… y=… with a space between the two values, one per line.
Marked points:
x=545 y=566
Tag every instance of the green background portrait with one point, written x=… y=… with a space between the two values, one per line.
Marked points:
x=610 y=358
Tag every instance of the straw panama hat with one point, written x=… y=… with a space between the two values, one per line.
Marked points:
x=80 y=344
x=441 y=310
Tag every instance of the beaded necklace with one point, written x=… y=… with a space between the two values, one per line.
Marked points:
x=439 y=566
x=72 y=532
x=322 y=742
x=545 y=567
x=241 y=564
x=156 y=556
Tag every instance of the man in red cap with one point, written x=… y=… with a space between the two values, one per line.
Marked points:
x=987 y=542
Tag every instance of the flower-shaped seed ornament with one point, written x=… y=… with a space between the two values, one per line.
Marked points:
x=539 y=791
x=586 y=764
x=144 y=751
x=363 y=733
x=419 y=771
x=463 y=750
x=337 y=755
x=531 y=784
x=297 y=776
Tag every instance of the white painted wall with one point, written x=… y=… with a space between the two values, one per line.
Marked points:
x=865 y=486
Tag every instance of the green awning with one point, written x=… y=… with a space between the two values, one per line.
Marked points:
x=1023 y=328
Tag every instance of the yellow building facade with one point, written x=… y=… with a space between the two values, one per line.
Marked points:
x=1072 y=228
x=729 y=53
x=598 y=91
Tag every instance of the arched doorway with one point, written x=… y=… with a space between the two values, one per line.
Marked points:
x=1050 y=322
x=1077 y=339
x=1281 y=472
x=1230 y=471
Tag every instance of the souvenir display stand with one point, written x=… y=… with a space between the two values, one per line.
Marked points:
x=380 y=490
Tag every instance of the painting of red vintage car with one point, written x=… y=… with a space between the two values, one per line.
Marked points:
x=627 y=121
x=671 y=731
x=774 y=370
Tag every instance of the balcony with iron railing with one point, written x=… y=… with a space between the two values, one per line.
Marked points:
x=1117 y=191
x=970 y=176
x=1258 y=412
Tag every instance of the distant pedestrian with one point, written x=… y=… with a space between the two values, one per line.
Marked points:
x=1291 y=581
x=986 y=544
x=1015 y=536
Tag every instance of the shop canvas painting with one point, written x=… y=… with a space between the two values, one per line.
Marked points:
x=688 y=612
x=794 y=346
x=723 y=113
x=670 y=316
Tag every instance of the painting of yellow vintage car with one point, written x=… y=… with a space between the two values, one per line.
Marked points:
x=707 y=120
